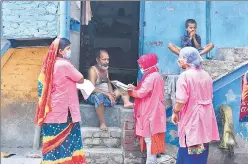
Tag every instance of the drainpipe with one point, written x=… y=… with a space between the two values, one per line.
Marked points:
x=1 y=21
x=64 y=19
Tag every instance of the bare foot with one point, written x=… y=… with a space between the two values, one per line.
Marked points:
x=128 y=105
x=103 y=127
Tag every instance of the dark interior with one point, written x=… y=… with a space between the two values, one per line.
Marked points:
x=115 y=28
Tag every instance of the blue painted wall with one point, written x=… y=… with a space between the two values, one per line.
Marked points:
x=226 y=91
x=28 y=19
x=229 y=24
x=164 y=22
x=231 y=95
x=223 y=23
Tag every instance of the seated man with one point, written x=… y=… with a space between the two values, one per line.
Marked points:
x=103 y=95
x=191 y=39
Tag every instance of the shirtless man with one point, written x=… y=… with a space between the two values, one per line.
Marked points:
x=104 y=95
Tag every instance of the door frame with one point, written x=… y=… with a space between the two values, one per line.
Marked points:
x=141 y=33
x=142 y=24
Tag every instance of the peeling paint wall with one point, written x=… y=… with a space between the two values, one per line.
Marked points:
x=19 y=95
x=231 y=95
x=19 y=74
x=229 y=24
x=222 y=23
x=164 y=23
x=30 y=19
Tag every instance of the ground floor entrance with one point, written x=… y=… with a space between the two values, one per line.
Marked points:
x=114 y=27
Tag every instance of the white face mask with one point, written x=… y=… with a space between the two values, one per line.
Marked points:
x=68 y=55
x=102 y=67
x=143 y=70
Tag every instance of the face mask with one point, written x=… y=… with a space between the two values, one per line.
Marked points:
x=102 y=67
x=68 y=55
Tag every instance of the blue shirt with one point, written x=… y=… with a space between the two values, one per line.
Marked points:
x=186 y=42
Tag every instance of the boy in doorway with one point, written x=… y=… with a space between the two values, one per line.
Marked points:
x=191 y=39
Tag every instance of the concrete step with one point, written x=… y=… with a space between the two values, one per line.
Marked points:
x=90 y=119
x=94 y=137
x=20 y=160
x=93 y=155
x=104 y=155
x=233 y=54
x=218 y=68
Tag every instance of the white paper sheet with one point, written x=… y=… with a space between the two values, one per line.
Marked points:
x=120 y=85
x=86 y=88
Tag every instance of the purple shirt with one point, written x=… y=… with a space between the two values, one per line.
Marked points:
x=186 y=42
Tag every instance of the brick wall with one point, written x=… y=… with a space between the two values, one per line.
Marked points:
x=130 y=145
x=19 y=95
x=29 y=19
x=19 y=74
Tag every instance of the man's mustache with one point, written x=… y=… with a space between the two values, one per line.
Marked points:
x=105 y=65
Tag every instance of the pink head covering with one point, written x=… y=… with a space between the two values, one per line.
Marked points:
x=147 y=60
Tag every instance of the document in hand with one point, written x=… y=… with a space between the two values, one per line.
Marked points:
x=120 y=85
x=86 y=88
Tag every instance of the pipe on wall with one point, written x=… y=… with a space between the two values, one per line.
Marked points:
x=208 y=27
x=1 y=22
x=64 y=19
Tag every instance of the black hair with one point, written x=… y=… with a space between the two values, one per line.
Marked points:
x=98 y=53
x=192 y=21
x=63 y=42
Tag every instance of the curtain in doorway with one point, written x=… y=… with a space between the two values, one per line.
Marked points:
x=86 y=12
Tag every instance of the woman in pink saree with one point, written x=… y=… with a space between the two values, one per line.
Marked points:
x=194 y=112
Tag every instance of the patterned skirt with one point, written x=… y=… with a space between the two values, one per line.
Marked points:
x=62 y=143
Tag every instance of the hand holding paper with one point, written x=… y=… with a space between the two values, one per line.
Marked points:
x=119 y=85
x=86 y=88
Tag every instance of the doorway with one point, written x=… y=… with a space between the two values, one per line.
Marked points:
x=114 y=27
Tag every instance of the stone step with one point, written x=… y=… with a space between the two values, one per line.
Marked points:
x=94 y=137
x=104 y=155
x=218 y=68
x=93 y=155
x=90 y=119
x=20 y=160
x=233 y=54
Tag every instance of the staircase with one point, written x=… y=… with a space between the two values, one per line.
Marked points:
x=118 y=146
x=103 y=147
x=226 y=72
x=228 y=61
